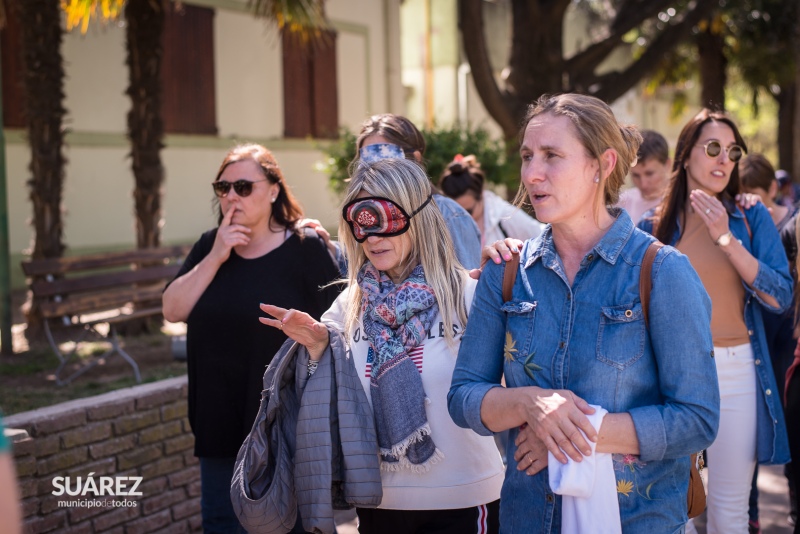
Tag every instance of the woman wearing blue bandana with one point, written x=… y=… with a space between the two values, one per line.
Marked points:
x=394 y=136
x=402 y=317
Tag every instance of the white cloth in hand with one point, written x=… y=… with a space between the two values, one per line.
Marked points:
x=588 y=489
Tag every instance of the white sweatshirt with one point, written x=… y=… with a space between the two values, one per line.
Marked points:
x=471 y=472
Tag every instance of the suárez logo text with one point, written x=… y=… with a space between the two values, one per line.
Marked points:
x=121 y=486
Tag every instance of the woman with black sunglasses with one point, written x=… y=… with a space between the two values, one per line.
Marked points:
x=402 y=317
x=739 y=258
x=255 y=255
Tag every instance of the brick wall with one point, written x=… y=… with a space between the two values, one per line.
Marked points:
x=140 y=431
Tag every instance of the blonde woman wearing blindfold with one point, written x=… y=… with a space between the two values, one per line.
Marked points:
x=402 y=318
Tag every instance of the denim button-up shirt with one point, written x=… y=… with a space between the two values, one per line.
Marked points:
x=589 y=337
x=773 y=279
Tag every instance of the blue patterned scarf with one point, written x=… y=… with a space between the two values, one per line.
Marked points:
x=396 y=319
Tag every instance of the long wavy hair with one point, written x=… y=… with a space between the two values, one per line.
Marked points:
x=406 y=184
x=672 y=207
x=286 y=210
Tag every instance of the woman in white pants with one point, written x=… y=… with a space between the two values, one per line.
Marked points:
x=739 y=257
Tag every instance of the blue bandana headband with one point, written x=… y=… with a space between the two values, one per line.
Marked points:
x=372 y=153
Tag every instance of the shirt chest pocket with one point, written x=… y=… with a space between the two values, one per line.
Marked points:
x=520 y=316
x=621 y=335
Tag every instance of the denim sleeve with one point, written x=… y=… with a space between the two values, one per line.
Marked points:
x=463 y=230
x=680 y=336
x=479 y=366
x=646 y=222
x=773 y=276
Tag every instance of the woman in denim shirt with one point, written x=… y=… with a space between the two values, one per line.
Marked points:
x=747 y=269
x=574 y=334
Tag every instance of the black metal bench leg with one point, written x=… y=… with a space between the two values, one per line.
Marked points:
x=128 y=358
x=64 y=358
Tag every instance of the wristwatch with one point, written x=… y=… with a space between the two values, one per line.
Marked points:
x=724 y=240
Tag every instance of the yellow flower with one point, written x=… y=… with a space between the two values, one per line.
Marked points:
x=625 y=487
x=509 y=350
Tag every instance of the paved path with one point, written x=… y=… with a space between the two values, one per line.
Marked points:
x=773 y=505
x=773 y=502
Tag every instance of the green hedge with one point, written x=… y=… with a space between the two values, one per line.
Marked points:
x=442 y=145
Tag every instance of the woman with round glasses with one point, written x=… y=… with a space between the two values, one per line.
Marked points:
x=255 y=255
x=402 y=317
x=741 y=262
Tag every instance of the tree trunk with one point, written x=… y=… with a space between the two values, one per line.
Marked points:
x=144 y=31
x=470 y=19
x=145 y=26
x=786 y=127
x=710 y=43
x=537 y=64
x=43 y=81
x=796 y=143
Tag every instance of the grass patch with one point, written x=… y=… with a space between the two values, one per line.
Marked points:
x=15 y=399
x=28 y=363
x=27 y=381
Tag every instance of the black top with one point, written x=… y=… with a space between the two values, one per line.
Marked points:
x=228 y=349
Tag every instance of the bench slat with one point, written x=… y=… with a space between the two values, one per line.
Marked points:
x=147 y=312
x=70 y=286
x=103 y=301
x=100 y=261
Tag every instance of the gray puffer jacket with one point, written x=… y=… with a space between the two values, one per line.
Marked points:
x=312 y=448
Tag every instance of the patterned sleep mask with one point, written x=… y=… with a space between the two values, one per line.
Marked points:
x=377 y=216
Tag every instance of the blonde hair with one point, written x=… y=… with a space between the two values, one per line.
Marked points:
x=406 y=184
x=597 y=130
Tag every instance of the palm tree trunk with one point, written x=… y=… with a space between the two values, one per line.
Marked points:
x=43 y=81
x=145 y=26
x=144 y=30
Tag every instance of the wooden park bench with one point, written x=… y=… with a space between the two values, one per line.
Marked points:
x=77 y=294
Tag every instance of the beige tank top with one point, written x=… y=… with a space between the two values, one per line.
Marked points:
x=721 y=280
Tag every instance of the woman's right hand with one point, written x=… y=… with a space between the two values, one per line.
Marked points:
x=299 y=326
x=495 y=252
x=558 y=419
x=228 y=236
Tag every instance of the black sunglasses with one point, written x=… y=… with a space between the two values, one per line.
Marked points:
x=714 y=148
x=243 y=188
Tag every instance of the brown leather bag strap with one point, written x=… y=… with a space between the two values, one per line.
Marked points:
x=646 y=279
x=510 y=276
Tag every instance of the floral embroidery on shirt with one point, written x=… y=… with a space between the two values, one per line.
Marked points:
x=530 y=367
x=510 y=348
x=627 y=462
x=625 y=487
x=630 y=464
